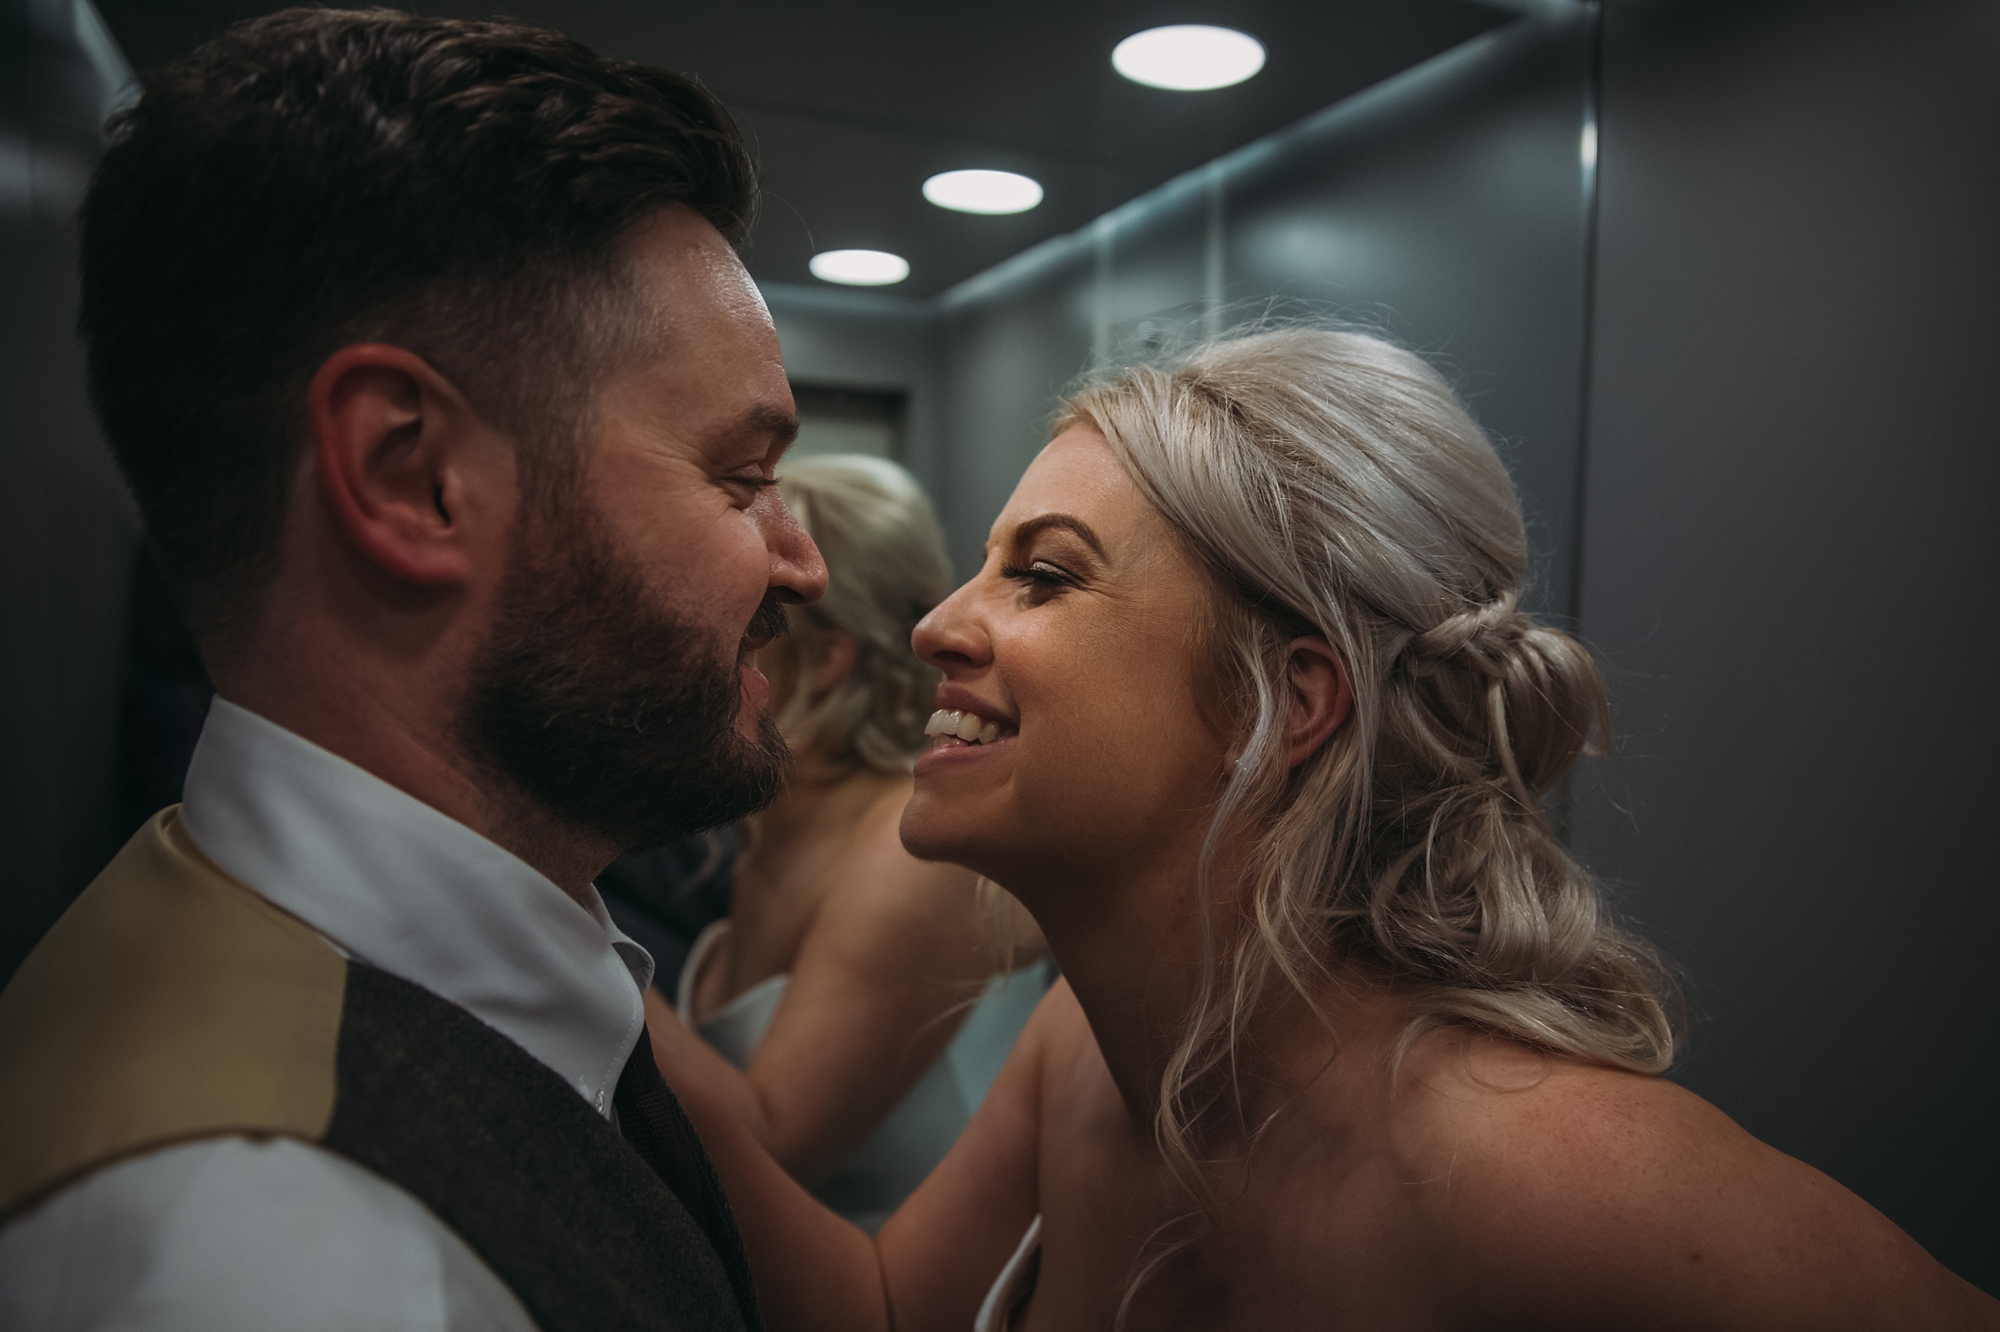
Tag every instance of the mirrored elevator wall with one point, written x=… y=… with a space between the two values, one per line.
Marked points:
x=68 y=533
x=1447 y=208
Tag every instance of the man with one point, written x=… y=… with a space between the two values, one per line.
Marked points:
x=452 y=417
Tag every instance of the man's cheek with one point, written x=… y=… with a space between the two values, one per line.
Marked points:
x=744 y=583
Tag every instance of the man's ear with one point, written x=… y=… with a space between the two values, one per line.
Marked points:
x=393 y=447
x=833 y=662
x=1322 y=697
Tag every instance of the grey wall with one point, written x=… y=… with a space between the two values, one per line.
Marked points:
x=868 y=340
x=1446 y=207
x=1010 y=352
x=1791 y=557
x=67 y=532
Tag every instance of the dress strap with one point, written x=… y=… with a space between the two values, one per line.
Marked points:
x=1014 y=1285
x=697 y=958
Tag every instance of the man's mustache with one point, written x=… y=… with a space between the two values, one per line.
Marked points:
x=770 y=621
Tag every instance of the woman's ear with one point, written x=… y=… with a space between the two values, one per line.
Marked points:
x=833 y=661
x=1322 y=697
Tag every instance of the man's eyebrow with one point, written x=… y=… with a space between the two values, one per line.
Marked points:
x=766 y=421
x=1041 y=523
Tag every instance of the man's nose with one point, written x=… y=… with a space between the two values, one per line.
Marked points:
x=798 y=571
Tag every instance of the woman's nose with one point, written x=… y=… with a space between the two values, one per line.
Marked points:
x=951 y=637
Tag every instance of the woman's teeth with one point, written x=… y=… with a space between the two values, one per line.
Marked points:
x=967 y=726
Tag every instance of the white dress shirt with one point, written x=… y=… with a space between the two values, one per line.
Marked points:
x=232 y=1234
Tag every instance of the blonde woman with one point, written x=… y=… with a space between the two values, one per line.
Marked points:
x=1345 y=1038
x=845 y=1010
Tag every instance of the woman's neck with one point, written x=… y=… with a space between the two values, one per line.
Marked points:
x=1131 y=948
x=1126 y=930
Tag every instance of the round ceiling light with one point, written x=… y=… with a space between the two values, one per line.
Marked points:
x=859 y=268
x=983 y=191
x=1188 y=57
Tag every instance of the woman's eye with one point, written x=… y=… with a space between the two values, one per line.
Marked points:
x=1040 y=576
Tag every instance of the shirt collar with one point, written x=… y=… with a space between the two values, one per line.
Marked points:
x=395 y=884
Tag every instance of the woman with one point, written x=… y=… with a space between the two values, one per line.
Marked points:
x=834 y=999
x=1344 y=1038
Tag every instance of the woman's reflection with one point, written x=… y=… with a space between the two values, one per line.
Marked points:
x=856 y=1002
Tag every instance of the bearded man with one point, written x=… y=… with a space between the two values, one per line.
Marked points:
x=452 y=416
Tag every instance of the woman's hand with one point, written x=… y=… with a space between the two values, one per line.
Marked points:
x=813 y=1270
x=934 y=1260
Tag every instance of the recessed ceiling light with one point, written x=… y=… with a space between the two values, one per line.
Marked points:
x=1188 y=57
x=983 y=191
x=859 y=268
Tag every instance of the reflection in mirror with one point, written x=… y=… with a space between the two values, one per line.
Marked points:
x=850 y=1003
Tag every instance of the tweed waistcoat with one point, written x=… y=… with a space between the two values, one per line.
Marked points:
x=226 y=1016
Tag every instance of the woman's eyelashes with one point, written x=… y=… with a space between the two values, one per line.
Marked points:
x=1040 y=577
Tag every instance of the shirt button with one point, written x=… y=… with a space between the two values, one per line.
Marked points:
x=600 y=1100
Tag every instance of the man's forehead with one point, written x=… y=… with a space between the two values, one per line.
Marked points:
x=693 y=279
x=710 y=340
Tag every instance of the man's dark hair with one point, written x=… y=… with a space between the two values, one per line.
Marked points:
x=319 y=177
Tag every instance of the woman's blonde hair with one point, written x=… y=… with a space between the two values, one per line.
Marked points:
x=1331 y=484
x=886 y=567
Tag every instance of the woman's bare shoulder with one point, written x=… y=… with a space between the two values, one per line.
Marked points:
x=1506 y=1102
x=1589 y=1196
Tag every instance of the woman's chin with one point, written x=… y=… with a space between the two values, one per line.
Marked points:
x=933 y=830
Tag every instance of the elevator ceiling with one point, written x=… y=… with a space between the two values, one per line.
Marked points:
x=852 y=106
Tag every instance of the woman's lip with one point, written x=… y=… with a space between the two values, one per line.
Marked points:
x=944 y=757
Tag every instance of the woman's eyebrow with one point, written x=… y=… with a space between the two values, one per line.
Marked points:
x=1035 y=526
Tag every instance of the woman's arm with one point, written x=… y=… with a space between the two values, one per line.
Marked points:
x=936 y=1257
x=892 y=962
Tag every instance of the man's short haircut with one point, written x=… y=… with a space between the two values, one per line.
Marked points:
x=316 y=178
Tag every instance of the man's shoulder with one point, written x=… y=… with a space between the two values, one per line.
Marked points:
x=169 y=1003
x=232 y=1232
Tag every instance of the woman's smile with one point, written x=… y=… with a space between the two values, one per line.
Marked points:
x=964 y=728
x=1081 y=607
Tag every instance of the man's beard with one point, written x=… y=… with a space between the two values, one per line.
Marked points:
x=606 y=709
